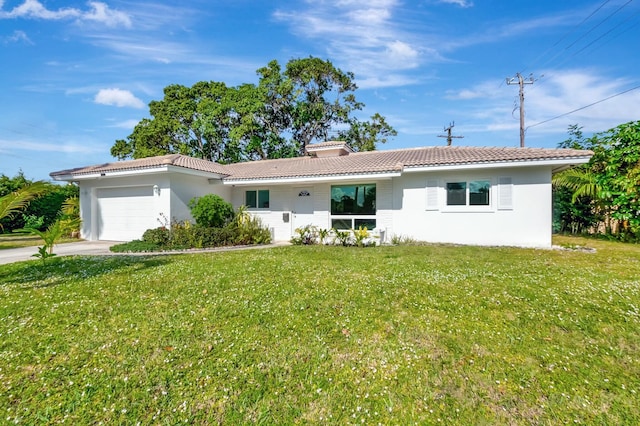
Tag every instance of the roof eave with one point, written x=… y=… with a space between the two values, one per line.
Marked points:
x=133 y=172
x=556 y=163
x=312 y=179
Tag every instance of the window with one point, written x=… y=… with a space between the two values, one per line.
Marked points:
x=479 y=192
x=257 y=199
x=456 y=193
x=353 y=206
x=472 y=193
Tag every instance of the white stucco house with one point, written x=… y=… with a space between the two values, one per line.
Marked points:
x=464 y=195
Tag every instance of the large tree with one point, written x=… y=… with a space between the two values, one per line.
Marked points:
x=610 y=182
x=278 y=117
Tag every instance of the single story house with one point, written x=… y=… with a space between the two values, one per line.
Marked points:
x=463 y=195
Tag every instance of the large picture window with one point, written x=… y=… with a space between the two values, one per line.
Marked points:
x=353 y=206
x=257 y=199
x=353 y=199
x=471 y=193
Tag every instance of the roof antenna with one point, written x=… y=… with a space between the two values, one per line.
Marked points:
x=448 y=135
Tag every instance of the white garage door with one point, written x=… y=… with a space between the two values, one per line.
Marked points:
x=125 y=213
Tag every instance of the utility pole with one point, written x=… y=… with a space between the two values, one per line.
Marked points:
x=520 y=81
x=448 y=135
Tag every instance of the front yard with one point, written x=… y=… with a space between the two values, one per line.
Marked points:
x=385 y=335
x=10 y=241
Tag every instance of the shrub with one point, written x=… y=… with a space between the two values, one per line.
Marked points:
x=183 y=236
x=32 y=221
x=217 y=237
x=307 y=235
x=211 y=211
x=135 y=246
x=49 y=205
x=250 y=229
x=158 y=236
x=343 y=238
x=244 y=229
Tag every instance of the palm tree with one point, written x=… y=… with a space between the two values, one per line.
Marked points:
x=71 y=216
x=582 y=182
x=16 y=201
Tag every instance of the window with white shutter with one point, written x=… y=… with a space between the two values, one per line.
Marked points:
x=432 y=194
x=505 y=193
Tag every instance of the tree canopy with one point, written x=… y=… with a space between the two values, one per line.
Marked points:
x=24 y=202
x=610 y=183
x=287 y=110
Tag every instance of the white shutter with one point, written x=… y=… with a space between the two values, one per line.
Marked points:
x=505 y=193
x=432 y=194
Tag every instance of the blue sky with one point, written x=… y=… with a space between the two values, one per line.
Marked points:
x=77 y=75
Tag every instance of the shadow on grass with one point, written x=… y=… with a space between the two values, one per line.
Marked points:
x=67 y=269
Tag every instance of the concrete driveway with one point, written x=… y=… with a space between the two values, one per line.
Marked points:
x=67 y=249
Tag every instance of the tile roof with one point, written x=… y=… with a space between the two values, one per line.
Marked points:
x=146 y=163
x=394 y=161
x=369 y=162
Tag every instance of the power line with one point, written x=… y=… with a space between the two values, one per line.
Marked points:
x=567 y=35
x=607 y=33
x=567 y=58
x=589 y=31
x=584 y=107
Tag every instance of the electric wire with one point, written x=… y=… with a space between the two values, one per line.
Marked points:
x=567 y=34
x=581 y=108
x=568 y=58
x=563 y=51
x=587 y=46
x=606 y=33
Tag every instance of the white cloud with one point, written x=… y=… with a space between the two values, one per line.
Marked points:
x=98 y=12
x=565 y=91
x=462 y=3
x=402 y=52
x=492 y=107
x=366 y=35
x=485 y=90
x=35 y=9
x=56 y=147
x=127 y=124
x=119 y=98
x=17 y=37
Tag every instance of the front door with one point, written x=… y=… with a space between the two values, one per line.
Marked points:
x=302 y=207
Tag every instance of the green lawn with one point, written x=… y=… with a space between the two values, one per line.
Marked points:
x=9 y=241
x=387 y=335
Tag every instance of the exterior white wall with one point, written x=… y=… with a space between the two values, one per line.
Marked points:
x=172 y=201
x=278 y=217
x=89 y=205
x=185 y=187
x=527 y=224
x=401 y=205
x=282 y=203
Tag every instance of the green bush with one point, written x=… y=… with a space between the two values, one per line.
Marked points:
x=47 y=206
x=32 y=221
x=251 y=231
x=183 y=236
x=243 y=230
x=158 y=236
x=211 y=211
x=217 y=237
x=135 y=246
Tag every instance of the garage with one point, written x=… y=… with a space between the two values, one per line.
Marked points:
x=124 y=213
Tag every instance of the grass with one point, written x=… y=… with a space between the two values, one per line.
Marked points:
x=10 y=241
x=297 y=335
